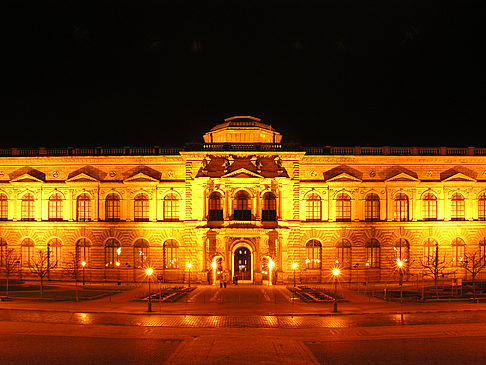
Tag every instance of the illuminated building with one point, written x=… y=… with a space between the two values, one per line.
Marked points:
x=240 y=200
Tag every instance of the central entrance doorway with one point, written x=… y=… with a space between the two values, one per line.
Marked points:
x=242 y=263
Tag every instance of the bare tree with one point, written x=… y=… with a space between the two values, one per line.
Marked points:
x=436 y=268
x=474 y=263
x=40 y=266
x=10 y=264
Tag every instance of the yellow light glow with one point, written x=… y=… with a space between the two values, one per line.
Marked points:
x=270 y=264
x=213 y=264
x=189 y=266
x=149 y=271
x=336 y=271
x=400 y=263
x=294 y=265
x=83 y=263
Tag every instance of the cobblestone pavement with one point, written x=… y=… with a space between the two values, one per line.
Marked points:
x=235 y=321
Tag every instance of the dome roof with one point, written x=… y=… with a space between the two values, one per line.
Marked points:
x=242 y=129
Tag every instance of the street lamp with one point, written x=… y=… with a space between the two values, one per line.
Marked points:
x=213 y=265
x=149 y=271
x=83 y=264
x=335 y=273
x=270 y=267
x=294 y=266
x=189 y=265
x=400 y=264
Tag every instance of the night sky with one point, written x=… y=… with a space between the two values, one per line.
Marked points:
x=136 y=73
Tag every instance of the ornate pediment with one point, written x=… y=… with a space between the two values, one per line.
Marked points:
x=86 y=174
x=82 y=177
x=343 y=177
x=457 y=174
x=242 y=173
x=402 y=177
x=459 y=177
x=140 y=178
x=27 y=175
x=342 y=173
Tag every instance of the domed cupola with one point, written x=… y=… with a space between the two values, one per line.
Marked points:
x=242 y=129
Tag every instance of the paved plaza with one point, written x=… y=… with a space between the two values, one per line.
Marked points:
x=241 y=325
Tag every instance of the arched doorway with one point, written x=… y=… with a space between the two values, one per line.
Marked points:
x=243 y=262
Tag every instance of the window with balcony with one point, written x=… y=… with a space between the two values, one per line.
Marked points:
x=242 y=206
x=215 y=212
x=269 y=211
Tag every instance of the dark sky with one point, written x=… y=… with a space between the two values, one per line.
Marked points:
x=118 y=73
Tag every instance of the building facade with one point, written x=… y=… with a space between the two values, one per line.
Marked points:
x=242 y=203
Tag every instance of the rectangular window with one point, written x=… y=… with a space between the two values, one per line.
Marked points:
x=313 y=260
x=429 y=210
x=27 y=210
x=343 y=210
x=141 y=210
x=83 y=210
x=112 y=210
x=3 y=209
x=373 y=256
x=55 y=210
x=171 y=259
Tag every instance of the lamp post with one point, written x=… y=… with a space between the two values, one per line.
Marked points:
x=149 y=271
x=400 y=264
x=270 y=267
x=213 y=265
x=83 y=264
x=294 y=266
x=189 y=265
x=335 y=273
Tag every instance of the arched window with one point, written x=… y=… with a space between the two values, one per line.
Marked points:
x=215 y=212
x=482 y=207
x=314 y=254
x=242 y=206
x=54 y=251
x=482 y=248
x=3 y=207
x=112 y=253
x=112 y=208
x=27 y=252
x=3 y=251
x=171 y=207
x=373 y=253
x=402 y=250
x=269 y=211
x=27 y=207
x=457 y=207
x=313 y=208
x=141 y=208
x=83 y=208
x=429 y=251
x=140 y=253
x=343 y=208
x=401 y=207
x=54 y=210
x=458 y=246
x=372 y=208
x=343 y=257
x=171 y=259
x=429 y=207
x=82 y=251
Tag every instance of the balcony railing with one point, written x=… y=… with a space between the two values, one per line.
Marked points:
x=262 y=147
